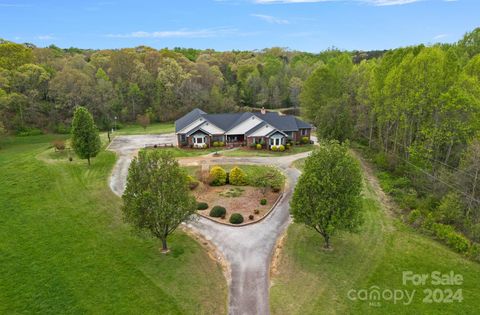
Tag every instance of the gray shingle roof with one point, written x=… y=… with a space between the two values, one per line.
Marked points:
x=282 y=122
x=223 y=121
x=230 y=120
x=188 y=119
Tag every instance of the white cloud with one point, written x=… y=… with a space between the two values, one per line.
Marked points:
x=372 y=2
x=270 y=19
x=440 y=36
x=186 y=33
x=45 y=37
x=13 y=5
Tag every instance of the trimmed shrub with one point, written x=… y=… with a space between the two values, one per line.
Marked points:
x=281 y=148
x=217 y=212
x=221 y=144
x=305 y=140
x=59 y=145
x=237 y=177
x=218 y=176
x=259 y=146
x=273 y=148
x=216 y=144
x=236 y=218
x=287 y=146
x=192 y=182
x=263 y=201
x=202 y=206
x=251 y=217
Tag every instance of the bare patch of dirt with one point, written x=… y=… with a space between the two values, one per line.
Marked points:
x=277 y=255
x=236 y=199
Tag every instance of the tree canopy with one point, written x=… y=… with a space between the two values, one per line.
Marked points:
x=327 y=195
x=85 y=139
x=157 y=197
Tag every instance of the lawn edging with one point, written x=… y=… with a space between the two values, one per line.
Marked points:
x=280 y=197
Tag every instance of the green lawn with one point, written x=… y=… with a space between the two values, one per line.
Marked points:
x=136 y=129
x=179 y=152
x=65 y=249
x=266 y=153
x=314 y=281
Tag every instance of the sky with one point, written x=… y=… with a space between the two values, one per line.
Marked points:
x=306 y=25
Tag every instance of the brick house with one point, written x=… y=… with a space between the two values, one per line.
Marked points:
x=197 y=129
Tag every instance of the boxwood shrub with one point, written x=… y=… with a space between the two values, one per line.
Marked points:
x=263 y=202
x=218 y=176
x=217 y=212
x=236 y=218
x=202 y=206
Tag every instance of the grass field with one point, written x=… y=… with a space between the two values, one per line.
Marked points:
x=64 y=247
x=313 y=281
x=249 y=152
x=178 y=152
x=135 y=129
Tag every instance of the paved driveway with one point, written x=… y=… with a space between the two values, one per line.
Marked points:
x=248 y=249
x=126 y=147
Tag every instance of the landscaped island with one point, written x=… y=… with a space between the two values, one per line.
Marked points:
x=246 y=192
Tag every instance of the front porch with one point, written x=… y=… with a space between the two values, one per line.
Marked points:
x=235 y=141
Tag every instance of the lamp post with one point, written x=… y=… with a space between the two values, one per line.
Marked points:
x=115 y=123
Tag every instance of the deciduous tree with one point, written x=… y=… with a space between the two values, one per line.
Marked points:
x=327 y=195
x=157 y=197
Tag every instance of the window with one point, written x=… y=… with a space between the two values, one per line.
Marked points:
x=199 y=140
x=277 y=141
x=183 y=138
x=271 y=142
x=303 y=132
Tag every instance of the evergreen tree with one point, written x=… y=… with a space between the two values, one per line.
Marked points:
x=85 y=139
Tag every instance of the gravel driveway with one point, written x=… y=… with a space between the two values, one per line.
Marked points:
x=248 y=249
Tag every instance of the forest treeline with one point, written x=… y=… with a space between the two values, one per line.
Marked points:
x=417 y=111
x=40 y=87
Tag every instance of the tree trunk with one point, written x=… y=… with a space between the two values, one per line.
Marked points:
x=108 y=135
x=88 y=160
x=326 y=237
x=164 y=245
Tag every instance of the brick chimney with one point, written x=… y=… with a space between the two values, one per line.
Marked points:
x=263 y=111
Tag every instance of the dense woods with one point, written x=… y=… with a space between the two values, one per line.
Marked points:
x=417 y=110
x=39 y=87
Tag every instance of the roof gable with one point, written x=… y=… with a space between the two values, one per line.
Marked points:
x=188 y=119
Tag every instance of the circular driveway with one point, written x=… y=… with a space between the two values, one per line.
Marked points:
x=248 y=249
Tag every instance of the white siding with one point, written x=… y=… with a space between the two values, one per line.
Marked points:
x=245 y=126
x=193 y=125
x=212 y=129
x=262 y=132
